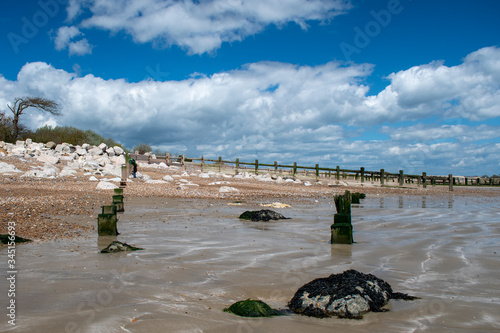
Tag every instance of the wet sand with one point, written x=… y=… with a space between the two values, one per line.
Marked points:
x=200 y=258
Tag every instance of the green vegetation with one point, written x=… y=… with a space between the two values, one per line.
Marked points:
x=142 y=148
x=252 y=308
x=75 y=136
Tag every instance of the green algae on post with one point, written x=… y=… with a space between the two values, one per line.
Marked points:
x=252 y=308
x=5 y=239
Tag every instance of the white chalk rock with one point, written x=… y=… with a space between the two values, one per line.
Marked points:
x=48 y=159
x=226 y=189
x=156 y=181
x=67 y=172
x=96 y=151
x=118 y=150
x=50 y=170
x=163 y=166
x=110 y=151
x=34 y=173
x=204 y=175
x=103 y=146
x=307 y=184
x=93 y=179
x=102 y=185
x=168 y=178
x=117 y=160
x=81 y=151
x=18 y=150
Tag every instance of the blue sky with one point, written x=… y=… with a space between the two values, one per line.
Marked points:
x=408 y=84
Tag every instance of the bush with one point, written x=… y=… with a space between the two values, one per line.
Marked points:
x=73 y=135
x=142 y=148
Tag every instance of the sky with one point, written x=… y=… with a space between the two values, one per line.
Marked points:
x=409 y=85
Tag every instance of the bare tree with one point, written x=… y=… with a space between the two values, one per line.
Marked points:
x=22 y=103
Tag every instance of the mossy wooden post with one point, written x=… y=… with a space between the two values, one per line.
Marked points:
x=275 y=167
x=424 y=179
x=317 y=171
x=256 y=167
x=362 y=174
x=337 y=171
x=382 y=175
x=220 y=164
x=106 y=222
x=341 y=229
x=294 y=168
x=237 y=165
x=183 y=157
x=401 y=178
x=450 y=179
x=118 y=202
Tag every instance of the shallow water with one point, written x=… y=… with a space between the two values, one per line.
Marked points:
x=200 y=258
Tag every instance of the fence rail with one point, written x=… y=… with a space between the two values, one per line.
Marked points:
x=362 y=175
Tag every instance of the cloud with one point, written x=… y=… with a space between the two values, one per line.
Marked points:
x=199 y=26
x=65 y=39
x=280 y=111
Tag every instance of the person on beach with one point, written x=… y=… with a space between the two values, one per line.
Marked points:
x=134 y=167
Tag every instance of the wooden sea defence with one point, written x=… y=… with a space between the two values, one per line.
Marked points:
x=385 y=178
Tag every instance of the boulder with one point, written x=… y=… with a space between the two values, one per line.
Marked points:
x=67 y=172
x=117 y=246
x=81 y=151
x=261 y=215
x=110 y=151
x=59 y=148
x=20 y=143
x=103 y=146
x=48 y=159
x=252 y=308
x=226 y=189
x=96 y=151
x=18 y=150
x=168 y=178
x=347 y=295
x=34 y=173
x=50 y=145
x=117 y=160
x=8 y=168
x=118 y=150
x=102 y=185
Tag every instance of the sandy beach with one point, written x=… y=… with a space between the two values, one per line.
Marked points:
x=199 y=258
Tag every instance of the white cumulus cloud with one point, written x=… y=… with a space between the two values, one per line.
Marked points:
x=71 y=38
x=198 y=26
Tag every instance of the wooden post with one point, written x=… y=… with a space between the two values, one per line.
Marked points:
x=450 y=179
x=182 y=159
x=167 y=159
x=338 y=173
x=317 y=171
x=275 y=167
x=220 y=164
x=401 y=178
x=424 y=179
x=256 y=167
x=237 y=164
x=202 y=162
x=294 y=168
x=382 y=175
x=362 y=172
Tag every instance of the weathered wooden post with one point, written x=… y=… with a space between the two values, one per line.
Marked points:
x=424 y=179
x=338 y=172
x=123 y=181
x=341 y=229
x=237 y=165
x=294 y=168
x=256 y=167
x=183 y=157
x=167 y=159
x=202 y=161
x=382 y=175
x=450 y=179
x=220 y=164
x=362 y=174
x=317 y=171
x=401 y=178
x=106 y=222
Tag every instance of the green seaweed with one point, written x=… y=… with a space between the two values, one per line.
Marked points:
x=252 y=308
x=5 y=239
x=117 y=246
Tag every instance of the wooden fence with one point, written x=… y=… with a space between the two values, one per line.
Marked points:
x=385 y=178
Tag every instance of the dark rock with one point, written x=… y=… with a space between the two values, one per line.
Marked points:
x=347 y=295
x=117 y=246
x=5 y=239
x=252 y=308
x=261 y=215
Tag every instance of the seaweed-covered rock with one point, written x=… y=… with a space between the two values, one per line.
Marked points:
x=252 y=308
x=261 y=215
x=347 y=295
x=117 y=246
x=6 y=239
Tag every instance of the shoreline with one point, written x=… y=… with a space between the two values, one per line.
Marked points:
x=47 y=209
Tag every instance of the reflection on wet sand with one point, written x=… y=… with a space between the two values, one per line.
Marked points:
x=199 y=258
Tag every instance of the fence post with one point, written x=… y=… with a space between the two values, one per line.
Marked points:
x=220 y=164
x=317 y=171
x=275 y=167
x=401 y=178
x=424 y=179
x=382 y=175
x=294 y=168
x=167 y=158
x=237 y=165
x=256 y=167
x=362 y=172
x=338 y=172
x=182 y=159
x=450 y=178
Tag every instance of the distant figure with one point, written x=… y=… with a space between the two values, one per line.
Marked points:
x=134 y=167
